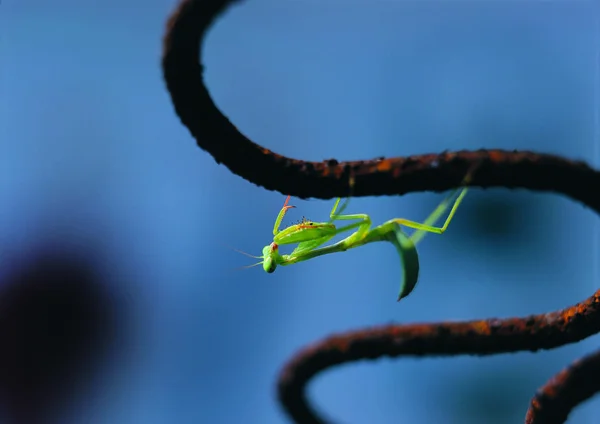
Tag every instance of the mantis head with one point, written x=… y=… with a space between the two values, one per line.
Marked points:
x=270 y=257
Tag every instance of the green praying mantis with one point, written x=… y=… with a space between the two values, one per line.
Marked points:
x=309 y=236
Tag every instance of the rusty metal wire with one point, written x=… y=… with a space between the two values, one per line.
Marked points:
x=485 y=337
x=573 y=385
x=215 y=134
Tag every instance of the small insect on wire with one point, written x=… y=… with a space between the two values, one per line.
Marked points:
x=310 y=236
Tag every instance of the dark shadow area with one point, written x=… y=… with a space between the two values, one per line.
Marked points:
x=59 y=321
x=504 y=219
x=492 y=397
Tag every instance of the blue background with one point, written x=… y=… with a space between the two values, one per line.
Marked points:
x=93 y=154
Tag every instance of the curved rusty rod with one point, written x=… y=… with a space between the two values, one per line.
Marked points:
x=573 y=385
x=214 y=133
x=485 y=337
x=432 y=172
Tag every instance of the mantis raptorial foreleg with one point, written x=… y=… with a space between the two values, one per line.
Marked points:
x=282 y=212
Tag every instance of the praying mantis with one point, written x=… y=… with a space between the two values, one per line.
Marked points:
x=309 y=236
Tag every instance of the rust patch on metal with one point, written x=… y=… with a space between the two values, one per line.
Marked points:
x=384 y=166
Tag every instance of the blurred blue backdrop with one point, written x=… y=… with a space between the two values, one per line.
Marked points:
x=93 y=154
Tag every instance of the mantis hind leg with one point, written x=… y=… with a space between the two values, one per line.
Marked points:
x=427 y=226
